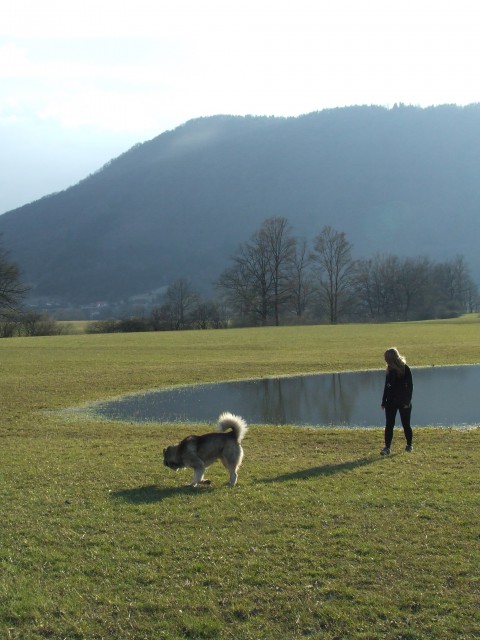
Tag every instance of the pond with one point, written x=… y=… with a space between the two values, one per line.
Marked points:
x=443 y=397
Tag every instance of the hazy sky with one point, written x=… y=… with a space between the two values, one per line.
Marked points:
x=82 y=81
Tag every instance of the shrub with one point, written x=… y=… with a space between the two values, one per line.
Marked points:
x=38 y=324
x=103 y=326
x=132 y=325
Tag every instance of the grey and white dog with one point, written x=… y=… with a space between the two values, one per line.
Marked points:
x=199 y=452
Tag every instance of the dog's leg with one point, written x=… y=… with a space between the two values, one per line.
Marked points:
x=198 y=473
x=233 y=477
x=232 y=469
x=232 y=460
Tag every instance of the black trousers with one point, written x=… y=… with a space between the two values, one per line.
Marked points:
x=390 y=415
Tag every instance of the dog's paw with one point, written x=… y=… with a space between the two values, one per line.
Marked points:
x=200 y=483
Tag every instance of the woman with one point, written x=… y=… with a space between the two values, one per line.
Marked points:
x=397 y=396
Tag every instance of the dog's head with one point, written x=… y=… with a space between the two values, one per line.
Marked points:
x=171 y=458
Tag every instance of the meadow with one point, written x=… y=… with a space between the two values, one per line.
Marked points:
x=321 y=538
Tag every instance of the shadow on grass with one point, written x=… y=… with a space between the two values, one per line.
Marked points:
x=152 y=493
x=324 y=470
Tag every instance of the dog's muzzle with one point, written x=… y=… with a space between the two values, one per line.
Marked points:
x=172 y=465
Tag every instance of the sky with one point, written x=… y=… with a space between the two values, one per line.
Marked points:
x=82 y=81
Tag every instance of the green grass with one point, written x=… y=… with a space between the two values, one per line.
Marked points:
x=322 y=538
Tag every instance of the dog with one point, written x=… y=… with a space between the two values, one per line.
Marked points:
x=199 y=452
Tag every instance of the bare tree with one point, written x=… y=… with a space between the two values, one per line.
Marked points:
x=300 y=282
x=38 y=324
x=247 y=284
x=12 y=290
x=370 y=289
x=413 y=286
x=257 y=284
x=332 y=254
x=393 y=288
x=162 y=318
x=456 y=289
x=280 y=246
x=181 y=299
x=208 y=314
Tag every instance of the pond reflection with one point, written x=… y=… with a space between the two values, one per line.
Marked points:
x=443 y=396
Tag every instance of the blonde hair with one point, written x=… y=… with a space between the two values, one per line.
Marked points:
x=395 y=360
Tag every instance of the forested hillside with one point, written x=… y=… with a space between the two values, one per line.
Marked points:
x=402 y=180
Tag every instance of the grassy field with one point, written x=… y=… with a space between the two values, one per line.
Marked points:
x=322 y=538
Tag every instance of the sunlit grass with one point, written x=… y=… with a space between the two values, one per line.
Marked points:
x=321 y=538
x=73 y=326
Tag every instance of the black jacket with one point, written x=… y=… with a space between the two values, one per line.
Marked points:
x=398 y=389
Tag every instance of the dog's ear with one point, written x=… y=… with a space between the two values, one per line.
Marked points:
x=164 y=451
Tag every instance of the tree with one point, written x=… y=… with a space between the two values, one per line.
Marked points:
x=332 y=254
x=208 y=314
x=300 y=282
x=391 y=288
x=38 y=324
x=456 y=289
x=280 y=246
x=257 y=284
x=181 y=299
x=12 y=290
x=371 y=290
x=247 y=285
x=174 y=313
x=413 y=287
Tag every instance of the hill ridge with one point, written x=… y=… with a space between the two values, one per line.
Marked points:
x=401 y=180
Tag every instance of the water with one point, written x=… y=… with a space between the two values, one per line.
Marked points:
x=443 y=396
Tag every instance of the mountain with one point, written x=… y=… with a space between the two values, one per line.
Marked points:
x=402 y=181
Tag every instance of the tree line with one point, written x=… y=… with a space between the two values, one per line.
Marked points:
x=182 y=308
x=276 y=278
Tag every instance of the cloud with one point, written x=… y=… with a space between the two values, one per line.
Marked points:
x=94 y=18
x=14 y=62
x=134 y=68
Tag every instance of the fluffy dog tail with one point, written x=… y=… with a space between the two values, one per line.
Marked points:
x=238 y=425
